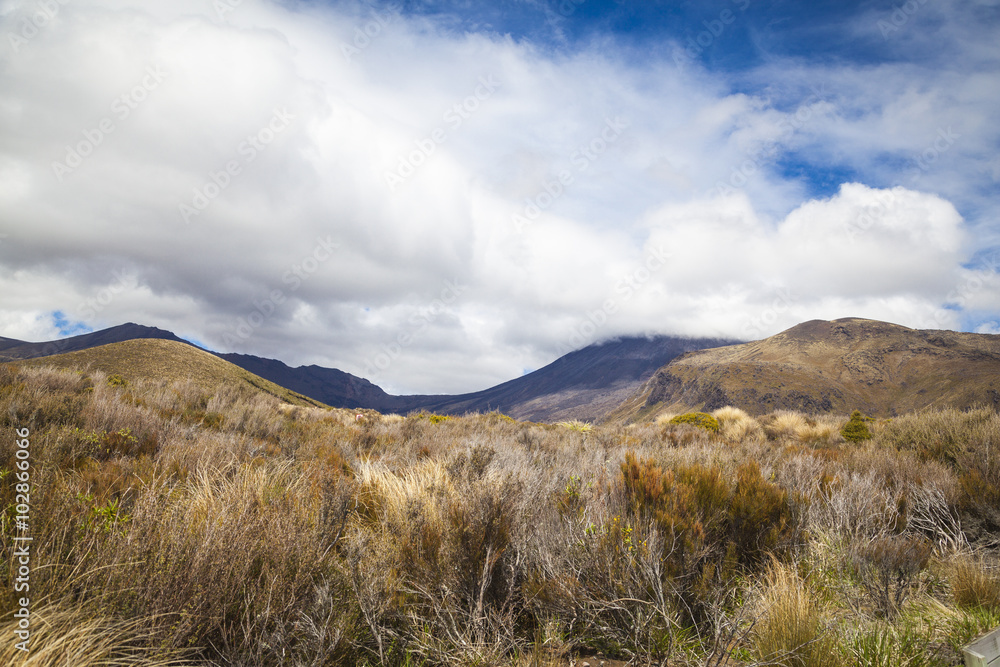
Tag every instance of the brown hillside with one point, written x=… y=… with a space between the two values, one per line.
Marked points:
x=167 y=360
x=880 y=368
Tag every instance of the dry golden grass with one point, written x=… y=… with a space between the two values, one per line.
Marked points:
x=975 y=582
x=789 y=630
x=738 y=426
x=64 y=635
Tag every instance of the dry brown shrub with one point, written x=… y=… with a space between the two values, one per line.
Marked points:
x=887 y=567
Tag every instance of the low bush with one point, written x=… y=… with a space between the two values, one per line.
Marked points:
x=699 y=419
x=856 y=428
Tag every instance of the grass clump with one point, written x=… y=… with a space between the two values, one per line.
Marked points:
x=975 y=582
x=789 y=630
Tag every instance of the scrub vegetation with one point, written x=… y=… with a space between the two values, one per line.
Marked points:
x=173 y=524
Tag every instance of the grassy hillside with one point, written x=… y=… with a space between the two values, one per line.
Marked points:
x=268 y=535
x=880 y=368
x=168 y=361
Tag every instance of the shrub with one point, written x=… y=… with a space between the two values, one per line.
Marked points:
x=576 y=425
x=888 y=566
x=715 y=525
x=699 y=419
x=856 y=428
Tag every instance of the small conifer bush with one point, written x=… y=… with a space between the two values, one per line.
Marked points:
x=856 y=428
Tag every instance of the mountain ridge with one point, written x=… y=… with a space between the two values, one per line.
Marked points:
x=880 y=368
x=585 y=384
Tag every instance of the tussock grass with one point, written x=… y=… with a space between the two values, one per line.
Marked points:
x=62 y=635
x=737 y=426
x=975 y=582
x=789 y=630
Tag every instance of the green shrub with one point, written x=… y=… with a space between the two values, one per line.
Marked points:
x=856 y=428
x=717 y=524
x=699 y=419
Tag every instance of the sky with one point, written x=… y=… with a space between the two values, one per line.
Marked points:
x=441 y=195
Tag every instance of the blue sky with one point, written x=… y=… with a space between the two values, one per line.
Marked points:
x=438 y=195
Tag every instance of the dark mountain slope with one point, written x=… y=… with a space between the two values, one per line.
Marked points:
x=585 y=384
